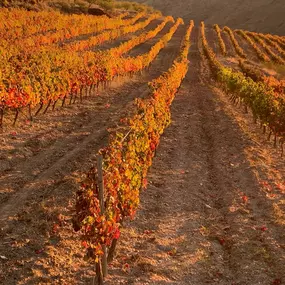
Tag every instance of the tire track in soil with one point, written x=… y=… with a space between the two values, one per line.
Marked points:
x=43 y=186
x=194 y=226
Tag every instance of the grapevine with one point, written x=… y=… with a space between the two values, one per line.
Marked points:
x=53 y=26
x=274 y=56
x=221 y=41
x=258 y=76
x=277 y=39
x=47 y=76
x=235 y=43
x=127 y=159
x=259 y=53
x=109 y=35
x=273 y=44
x=266 y=105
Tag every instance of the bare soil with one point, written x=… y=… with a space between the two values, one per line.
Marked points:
x=41 y=164
x=266 y=16
x=214 y=210
x=213 y=213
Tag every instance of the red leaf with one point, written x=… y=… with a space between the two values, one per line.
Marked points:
x=276 y=282
x=117 y=234
x=244 y=198
x=38 y=251
x=152 y=146
x=222 y=241
x=126 y=267
x=144 y=183
x=172 y=252
x=55 y=228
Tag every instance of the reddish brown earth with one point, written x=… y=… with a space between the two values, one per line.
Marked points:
x=214 y=210
x=213 y=213
x=266 y=16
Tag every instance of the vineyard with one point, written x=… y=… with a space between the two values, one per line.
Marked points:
x=140 y=149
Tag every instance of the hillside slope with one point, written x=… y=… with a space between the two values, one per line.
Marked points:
x=265 y=16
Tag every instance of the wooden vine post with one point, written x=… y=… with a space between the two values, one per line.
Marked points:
x=101 y=199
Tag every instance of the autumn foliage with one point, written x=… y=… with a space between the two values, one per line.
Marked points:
x=127 y=158
x=262 y=97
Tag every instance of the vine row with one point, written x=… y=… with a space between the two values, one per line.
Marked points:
x=45 y=78
x=266 y=105
x=126 y=161
x=235 y=43
x=274 y=56
x=221 y=41
x=261 y=55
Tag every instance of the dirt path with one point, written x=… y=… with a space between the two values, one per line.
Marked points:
x=205 y=217
x=41 y=164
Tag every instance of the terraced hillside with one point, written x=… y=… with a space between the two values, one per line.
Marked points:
x=189 y=120
x=264 y=16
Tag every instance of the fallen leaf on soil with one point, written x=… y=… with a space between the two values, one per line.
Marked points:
x=55 y=228
x=219 y=274
x=281 y=187
x=222 y=241
x=172 y=252
x=38 y=251
x=244 y=198
x=126 y=268
x=144 y=183
x=276 y=282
